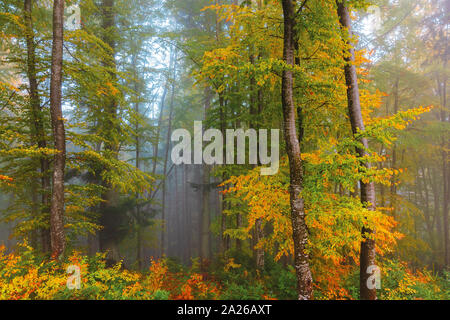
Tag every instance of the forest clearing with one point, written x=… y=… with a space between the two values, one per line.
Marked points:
x=224 y=150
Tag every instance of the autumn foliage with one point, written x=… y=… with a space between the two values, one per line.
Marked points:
x=26 y=276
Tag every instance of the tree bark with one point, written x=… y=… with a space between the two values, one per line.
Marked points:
x=367 y=254
x=108 y=240
x=158 y=129
x=166 y=158
x=256 y=105
x=205 y=218
x=393 y=194
x=224 y=243
x=57 y=203
x=37 y=121
x=445 y=169
x=138 y=164
x=300 y=232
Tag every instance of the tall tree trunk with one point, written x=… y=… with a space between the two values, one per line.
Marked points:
x=367 y=255
x=446 y=200
x=206 y=214
x=432 y=178
x=426 y=209
x=37 y=121
x=186 y=244
x=166 y=158
x=224 y=239
x=256 y=104
x=300 y=231
x=445 y=169
x=107 y=237
x=223 y=224
x=158 y=128
x=394 y=154
x=179 y=214
x=137 y=209
x=57 y=236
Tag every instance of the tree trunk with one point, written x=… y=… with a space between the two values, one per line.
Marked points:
x=394 y=154
x=256 y=105
x=259 y=235
x=223 y=225
x=186 y=243
x=108 y=240
x=158 y=129
x=57 y=203
x=37 y=121
x=205 y=218
x=445 y=169
x=166 y=158
x=137 y=209
x=300 y=232
x=367 y=255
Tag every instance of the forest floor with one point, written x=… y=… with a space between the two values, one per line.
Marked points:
x=27 y=275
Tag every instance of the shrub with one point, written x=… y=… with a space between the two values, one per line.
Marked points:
x=25 y=275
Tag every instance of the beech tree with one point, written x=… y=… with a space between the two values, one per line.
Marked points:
x=37 y=118
x=299 y=229
x=368 y=198
x=57 y=234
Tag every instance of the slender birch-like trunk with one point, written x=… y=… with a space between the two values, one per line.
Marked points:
x=367 y=255
x=299 y=228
